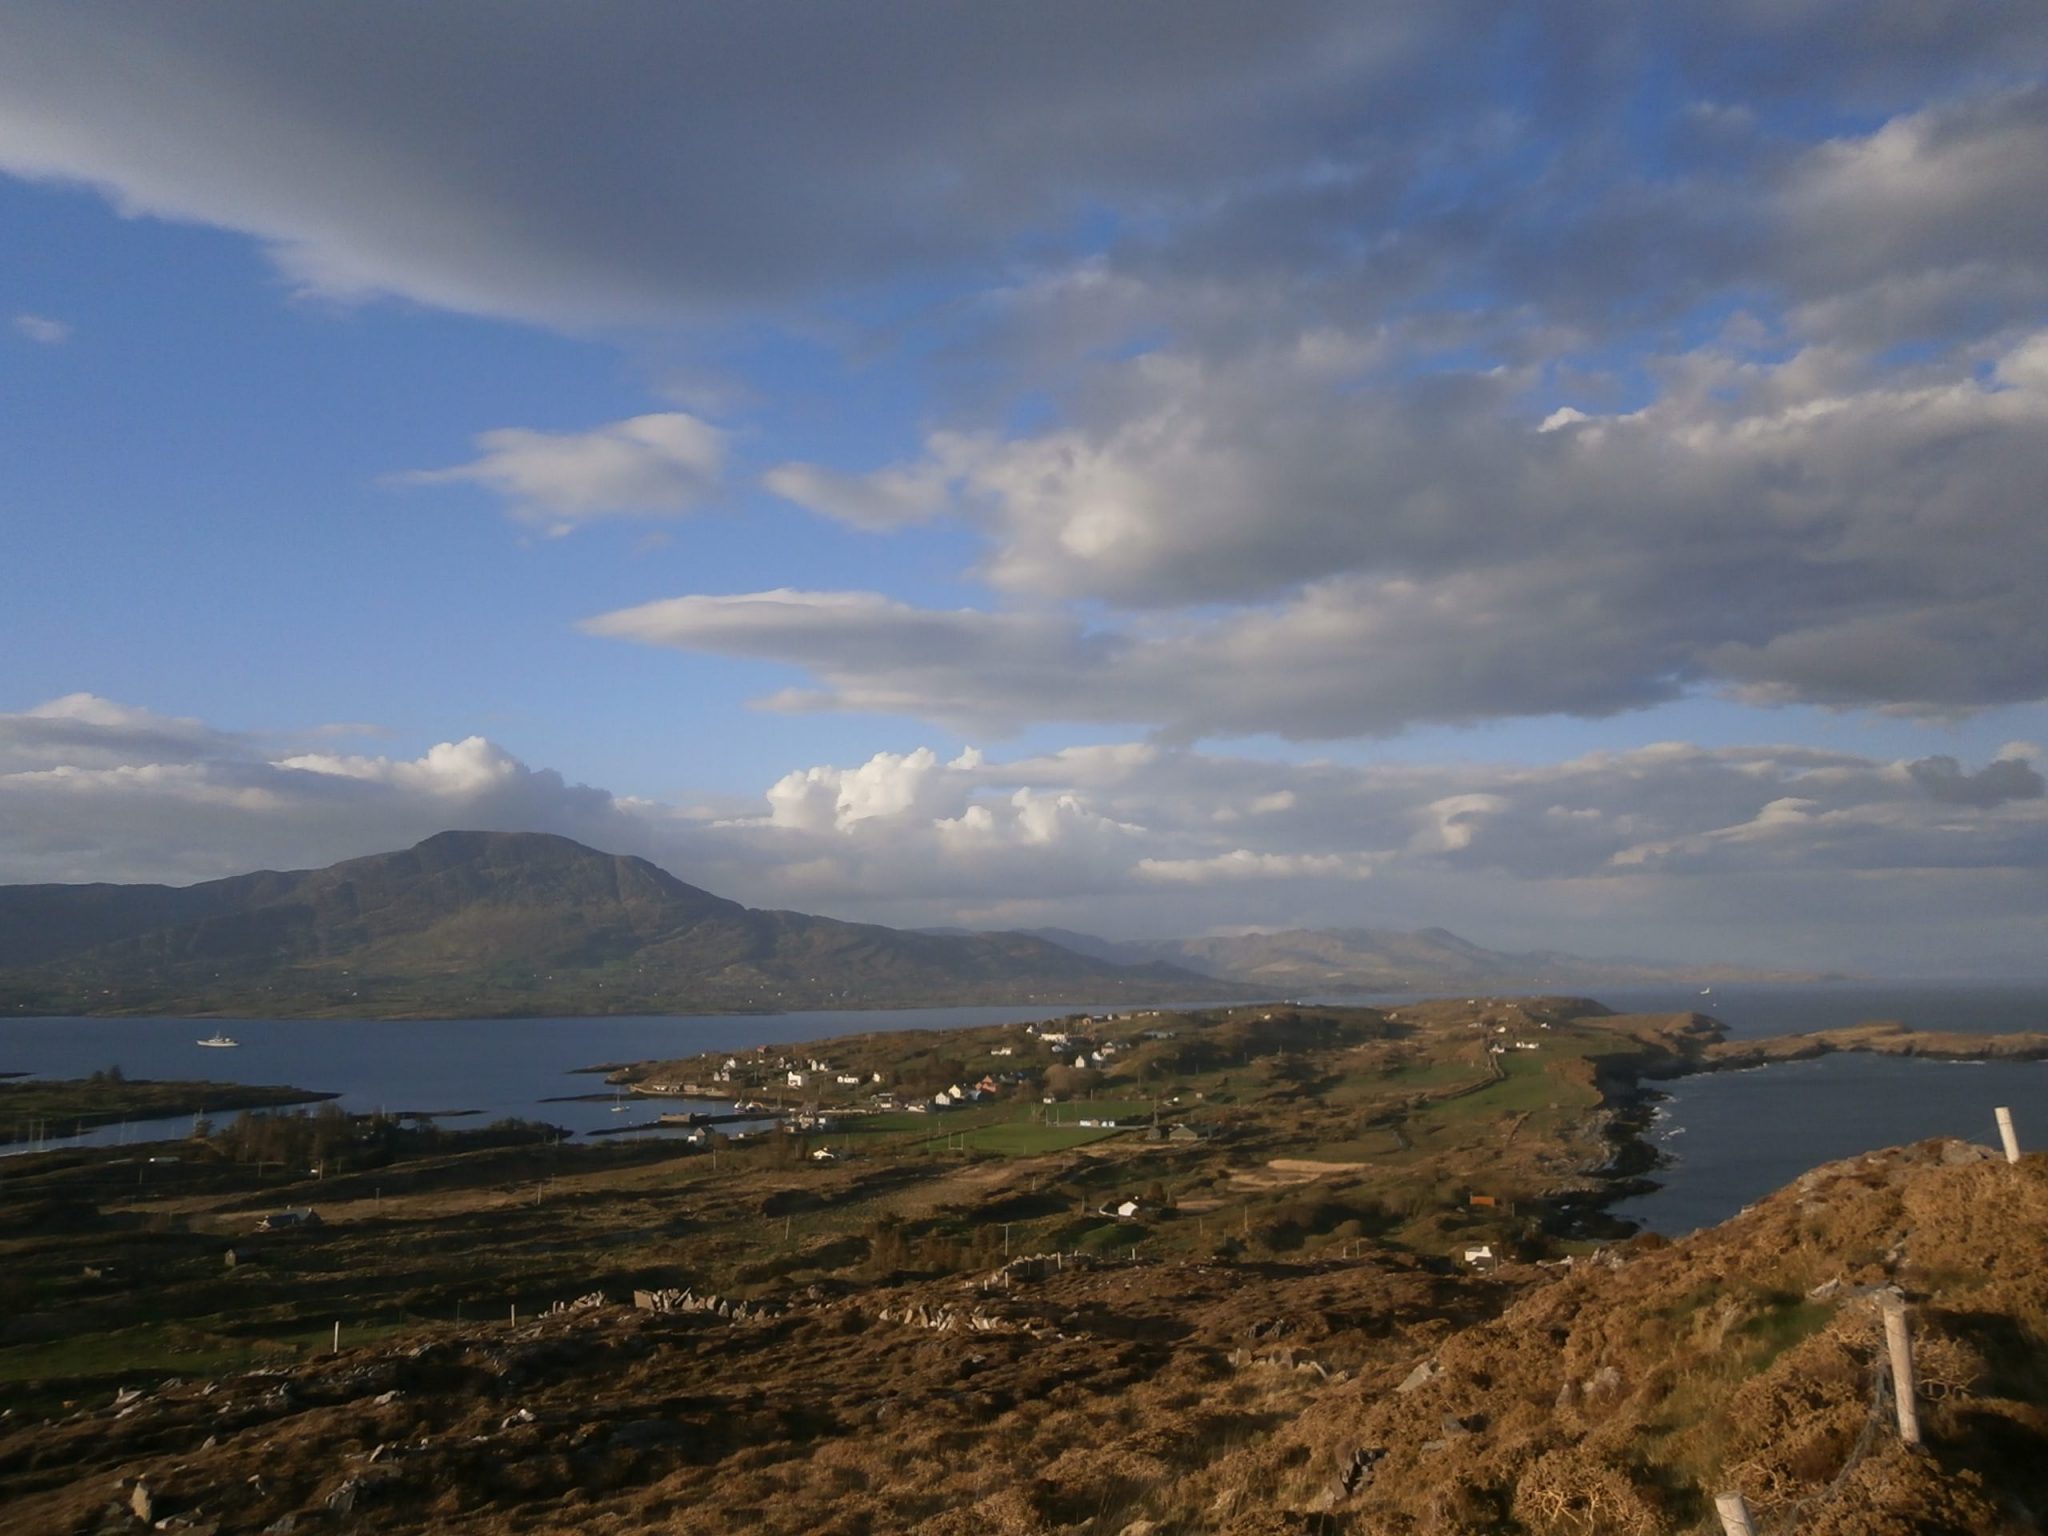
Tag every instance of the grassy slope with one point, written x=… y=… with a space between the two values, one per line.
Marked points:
x=1174 y=1389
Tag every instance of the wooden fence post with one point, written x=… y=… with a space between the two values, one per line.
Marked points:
x=1904 y=1388
x=2008 y=1135
x=1733 y=1509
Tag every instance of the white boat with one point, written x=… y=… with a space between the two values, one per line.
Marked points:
x=219 y=1042
x=1706 y=991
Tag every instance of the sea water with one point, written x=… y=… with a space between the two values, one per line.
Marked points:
x=481 y=1069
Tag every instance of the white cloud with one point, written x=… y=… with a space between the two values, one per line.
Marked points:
x=885 y=500
x=42 y=329
x=662 y=465
x=455 y=769
x=94 y=790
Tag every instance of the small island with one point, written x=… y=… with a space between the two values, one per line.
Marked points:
x=1877 y=1037
x=108 y=1097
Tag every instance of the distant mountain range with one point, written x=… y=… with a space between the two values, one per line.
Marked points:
x=482 y=924
x=1339 y=960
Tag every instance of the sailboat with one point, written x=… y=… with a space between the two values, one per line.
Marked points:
x=218 y=1041
x=618 y=1101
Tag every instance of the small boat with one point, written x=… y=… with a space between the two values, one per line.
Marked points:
x=1706 y=991
x=219 y=1041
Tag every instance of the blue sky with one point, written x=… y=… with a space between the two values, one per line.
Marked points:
x=1152 y=469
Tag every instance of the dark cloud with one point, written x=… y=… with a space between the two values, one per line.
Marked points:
x=1302 y=545
x=629 y=160
x=2009 y=778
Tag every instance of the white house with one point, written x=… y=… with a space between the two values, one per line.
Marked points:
x=798 y=1078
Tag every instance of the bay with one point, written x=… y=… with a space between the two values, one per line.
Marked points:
x=493 y=1068
x=1728 y=1139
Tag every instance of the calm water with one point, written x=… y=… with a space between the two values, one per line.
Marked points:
x=1733 y=1137
x=497 y=1067
x=1730 y=1138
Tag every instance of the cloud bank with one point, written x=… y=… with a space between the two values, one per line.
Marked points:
x=1883 y=865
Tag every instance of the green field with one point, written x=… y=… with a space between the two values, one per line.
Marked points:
x=1024 y=1138
x=1102 y=1109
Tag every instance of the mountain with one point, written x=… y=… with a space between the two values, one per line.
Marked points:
x=504 y=923
x=1340 y=960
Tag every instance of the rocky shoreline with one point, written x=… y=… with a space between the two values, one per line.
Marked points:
x=1699 y=1046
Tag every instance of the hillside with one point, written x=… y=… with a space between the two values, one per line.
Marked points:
x=496 y=923
x=863 y=1371
x=1311 y=960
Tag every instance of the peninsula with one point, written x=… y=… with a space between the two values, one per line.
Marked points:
x=1239 y=1270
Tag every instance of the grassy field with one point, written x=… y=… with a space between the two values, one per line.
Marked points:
x=1025 y=1139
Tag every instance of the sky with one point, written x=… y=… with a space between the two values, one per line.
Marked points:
x=1572 y=474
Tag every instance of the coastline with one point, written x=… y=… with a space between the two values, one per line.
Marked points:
x=1629 y=1101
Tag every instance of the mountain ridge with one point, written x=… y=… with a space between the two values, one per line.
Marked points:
x=503 y=923
x=1300 y=960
